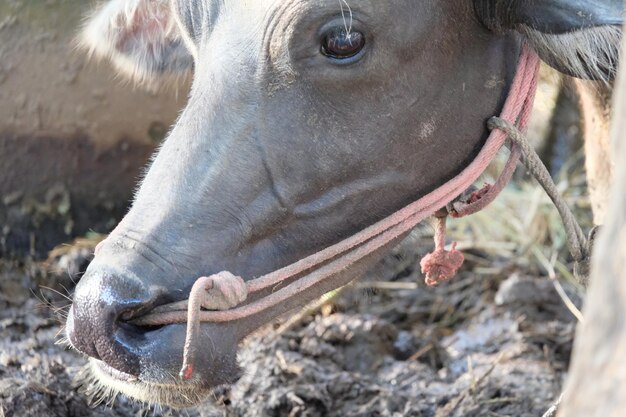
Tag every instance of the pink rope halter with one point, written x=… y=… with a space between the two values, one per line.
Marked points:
x=237 y=299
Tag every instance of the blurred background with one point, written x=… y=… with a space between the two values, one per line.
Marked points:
x=73 y=138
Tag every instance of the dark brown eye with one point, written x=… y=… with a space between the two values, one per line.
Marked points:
x=340 y=44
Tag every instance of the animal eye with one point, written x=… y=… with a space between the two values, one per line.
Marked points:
x=340 y=44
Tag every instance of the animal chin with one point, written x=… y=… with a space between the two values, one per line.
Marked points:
x=102 y=384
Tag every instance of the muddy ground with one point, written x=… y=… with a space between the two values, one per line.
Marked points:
x=493 y=342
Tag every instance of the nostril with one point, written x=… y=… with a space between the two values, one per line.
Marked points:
x=77 y=343
x=97 y=323
x=101 y=335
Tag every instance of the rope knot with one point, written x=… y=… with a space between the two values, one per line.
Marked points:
x=221 y=291
x=471 y=201
x=478 y=194
x=441 y=265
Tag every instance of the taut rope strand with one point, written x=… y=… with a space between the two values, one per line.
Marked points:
x=576 y=240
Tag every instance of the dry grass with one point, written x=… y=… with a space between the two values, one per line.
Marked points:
x=522 y=227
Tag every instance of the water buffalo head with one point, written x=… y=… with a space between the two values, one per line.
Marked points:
x=307 y=121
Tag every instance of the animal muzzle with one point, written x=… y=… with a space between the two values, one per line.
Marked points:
x=97 y=322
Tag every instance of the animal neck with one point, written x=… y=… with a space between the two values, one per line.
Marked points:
x=595 y=104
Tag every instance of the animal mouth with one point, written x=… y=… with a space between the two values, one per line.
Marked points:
x=102 y=383
x=114 y=373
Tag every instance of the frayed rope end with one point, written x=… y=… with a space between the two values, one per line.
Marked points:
x=441 y=265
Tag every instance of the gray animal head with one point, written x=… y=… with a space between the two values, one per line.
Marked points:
x=307 y=121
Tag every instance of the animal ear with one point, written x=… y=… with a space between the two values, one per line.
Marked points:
x=581 y=38
x=140 y=37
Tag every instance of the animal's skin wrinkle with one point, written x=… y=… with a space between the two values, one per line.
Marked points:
x=279 y=19
x=346 y=191
x=270 y=176
x=146 y=251
x=272 y=18
x=244 y=225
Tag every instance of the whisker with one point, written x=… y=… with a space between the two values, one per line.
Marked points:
x=67 y=297
x=347 y=26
